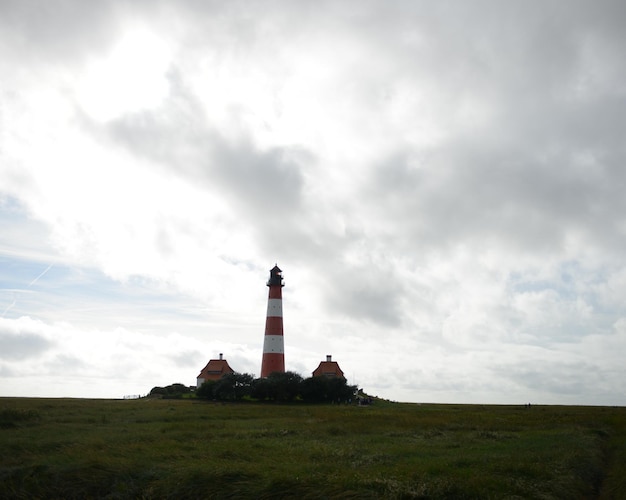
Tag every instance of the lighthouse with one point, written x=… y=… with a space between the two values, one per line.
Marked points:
x=273 y=346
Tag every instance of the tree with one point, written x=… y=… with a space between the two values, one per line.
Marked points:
x=339 y=390
x=326 y=389
x=278 y=386
x=260 y=389
x=233 y=386
x=314 y=389
x=284 y=386
x=206 y=390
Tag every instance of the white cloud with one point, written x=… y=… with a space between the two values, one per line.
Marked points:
x=132 y=77
x=42 y=359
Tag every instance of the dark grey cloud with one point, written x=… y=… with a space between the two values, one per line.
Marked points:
x=546 y=161
x=267 y=181
x=187 y=358
x=364 y=293
x=529 y=201
x=22 y=345
x=260 y=185
x=555 y=377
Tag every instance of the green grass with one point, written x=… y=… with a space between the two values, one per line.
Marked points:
x=74 y=448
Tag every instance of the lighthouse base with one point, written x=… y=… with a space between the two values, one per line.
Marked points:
x=272 y=362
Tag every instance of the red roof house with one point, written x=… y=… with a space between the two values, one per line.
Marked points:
x=214 y=370
x=328 y=368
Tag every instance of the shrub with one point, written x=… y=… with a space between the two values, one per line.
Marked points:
x=233 y=387
x=206 y=390
x=171 y=391
x=326 y=390
x=277 y=386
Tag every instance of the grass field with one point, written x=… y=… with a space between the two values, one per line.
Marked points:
x=77 y=448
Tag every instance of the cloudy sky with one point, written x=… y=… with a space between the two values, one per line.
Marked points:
x=442 y=184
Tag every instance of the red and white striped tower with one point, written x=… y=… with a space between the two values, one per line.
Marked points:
x=273 y=345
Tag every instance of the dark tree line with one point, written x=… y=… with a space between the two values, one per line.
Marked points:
x=281 y=387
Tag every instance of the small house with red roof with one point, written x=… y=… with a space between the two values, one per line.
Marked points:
x=328 y=368
x=214 y=370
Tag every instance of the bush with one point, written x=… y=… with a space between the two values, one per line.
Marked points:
x=261 y=389
x=326 y=390
x=233 y=387
x=171 y=391
x=277 y=387
x=281 y=387
x=206 y=390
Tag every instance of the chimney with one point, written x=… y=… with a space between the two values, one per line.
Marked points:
x=329 y=358
x=221 y=356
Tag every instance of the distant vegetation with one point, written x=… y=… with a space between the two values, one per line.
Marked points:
x=193 y=448
x=279 y=387
x=172 y=391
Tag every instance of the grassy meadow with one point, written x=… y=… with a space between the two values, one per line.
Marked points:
x=147 y=448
